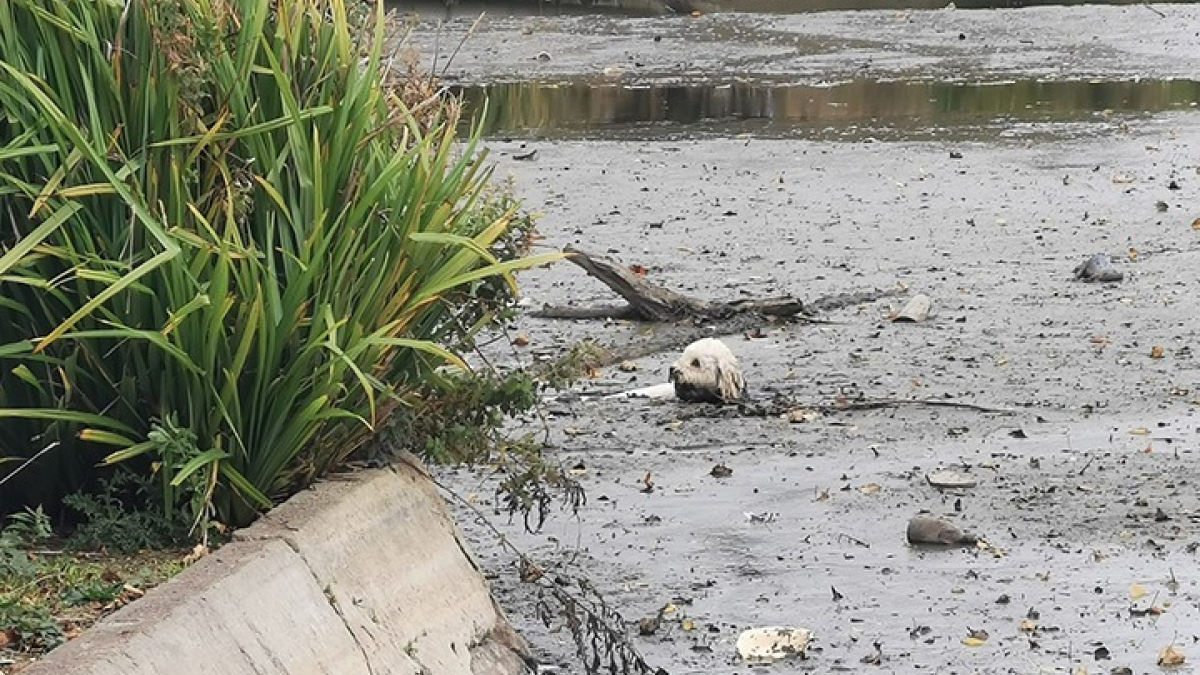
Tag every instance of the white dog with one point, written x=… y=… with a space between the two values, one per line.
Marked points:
x=707 y=372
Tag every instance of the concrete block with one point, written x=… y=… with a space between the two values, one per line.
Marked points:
x=251 y=607
x=385 y=548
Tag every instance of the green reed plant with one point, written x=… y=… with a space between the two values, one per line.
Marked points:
x=227 y=251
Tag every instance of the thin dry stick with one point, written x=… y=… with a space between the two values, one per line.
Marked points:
x=600 y=617
x=470 y=32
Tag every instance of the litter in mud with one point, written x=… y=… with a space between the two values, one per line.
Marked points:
x=760 y=645
x=916 y=310
x=950 y=480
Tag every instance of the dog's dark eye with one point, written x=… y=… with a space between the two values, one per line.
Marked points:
x=695 y=363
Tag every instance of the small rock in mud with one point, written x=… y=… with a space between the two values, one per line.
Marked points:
x=1100 y=268
x=627 y=366
x=950 y=479
x=648 y=625
x=924 y=530
x=721 y=471
x=802 y=416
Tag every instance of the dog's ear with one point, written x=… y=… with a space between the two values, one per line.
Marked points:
x=729 y=383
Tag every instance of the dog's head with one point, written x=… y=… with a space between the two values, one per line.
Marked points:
x=707 y=371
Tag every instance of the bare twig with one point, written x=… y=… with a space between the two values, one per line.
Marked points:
x=597 y=629
x=847 y=537
x=897 y=402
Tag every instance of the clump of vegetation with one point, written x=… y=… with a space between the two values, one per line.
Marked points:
x=231 y=253
x=114 y=518
x=458 y=418
x=48 y=593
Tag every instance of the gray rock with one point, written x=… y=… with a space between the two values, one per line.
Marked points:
x=1100 y=268
x=924 y=530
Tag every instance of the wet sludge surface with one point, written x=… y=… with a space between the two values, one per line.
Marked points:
x=742 y=155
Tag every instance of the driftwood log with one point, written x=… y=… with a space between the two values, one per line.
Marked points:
x=693 y=318
x=648 y=302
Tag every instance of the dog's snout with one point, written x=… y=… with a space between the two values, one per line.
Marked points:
x=671 y=374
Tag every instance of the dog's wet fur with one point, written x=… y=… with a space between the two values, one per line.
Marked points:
x=707 y=372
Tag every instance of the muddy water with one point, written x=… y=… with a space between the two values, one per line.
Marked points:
x=607 y=107
x=1038 y=138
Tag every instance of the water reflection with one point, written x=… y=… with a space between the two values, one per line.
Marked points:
x=586 y=108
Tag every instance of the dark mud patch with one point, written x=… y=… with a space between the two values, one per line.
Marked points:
x=610 y=108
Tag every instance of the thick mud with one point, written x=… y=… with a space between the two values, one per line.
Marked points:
x=1085 y=455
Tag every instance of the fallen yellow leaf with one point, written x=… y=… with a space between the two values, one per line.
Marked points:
x=1140 y=431
x=1171 y=656
x=1027 y=626
x=688 y=625
x=1137 y=591
x=974 y=641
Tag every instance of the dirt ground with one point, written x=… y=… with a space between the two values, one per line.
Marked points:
x=1086 y=459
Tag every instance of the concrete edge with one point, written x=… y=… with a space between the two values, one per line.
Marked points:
x=363 y=574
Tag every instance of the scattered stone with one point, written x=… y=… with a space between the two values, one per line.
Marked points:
x=627 y=367
x=802 y=416
x=1100 y=268
x=649 y=625
x=925 y=530
x=950 y=479
x=721 y=471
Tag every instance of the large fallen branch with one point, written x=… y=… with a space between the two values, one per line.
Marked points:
x=693 y=318
x=648 y=302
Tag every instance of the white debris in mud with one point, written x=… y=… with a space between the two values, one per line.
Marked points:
x=773 y=643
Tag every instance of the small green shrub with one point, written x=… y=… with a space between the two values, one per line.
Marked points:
x=119 y=517
x=46 y=591
x=32 y=626
x=459 y=414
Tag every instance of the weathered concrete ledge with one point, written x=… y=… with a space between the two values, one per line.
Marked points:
x=362 y=575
